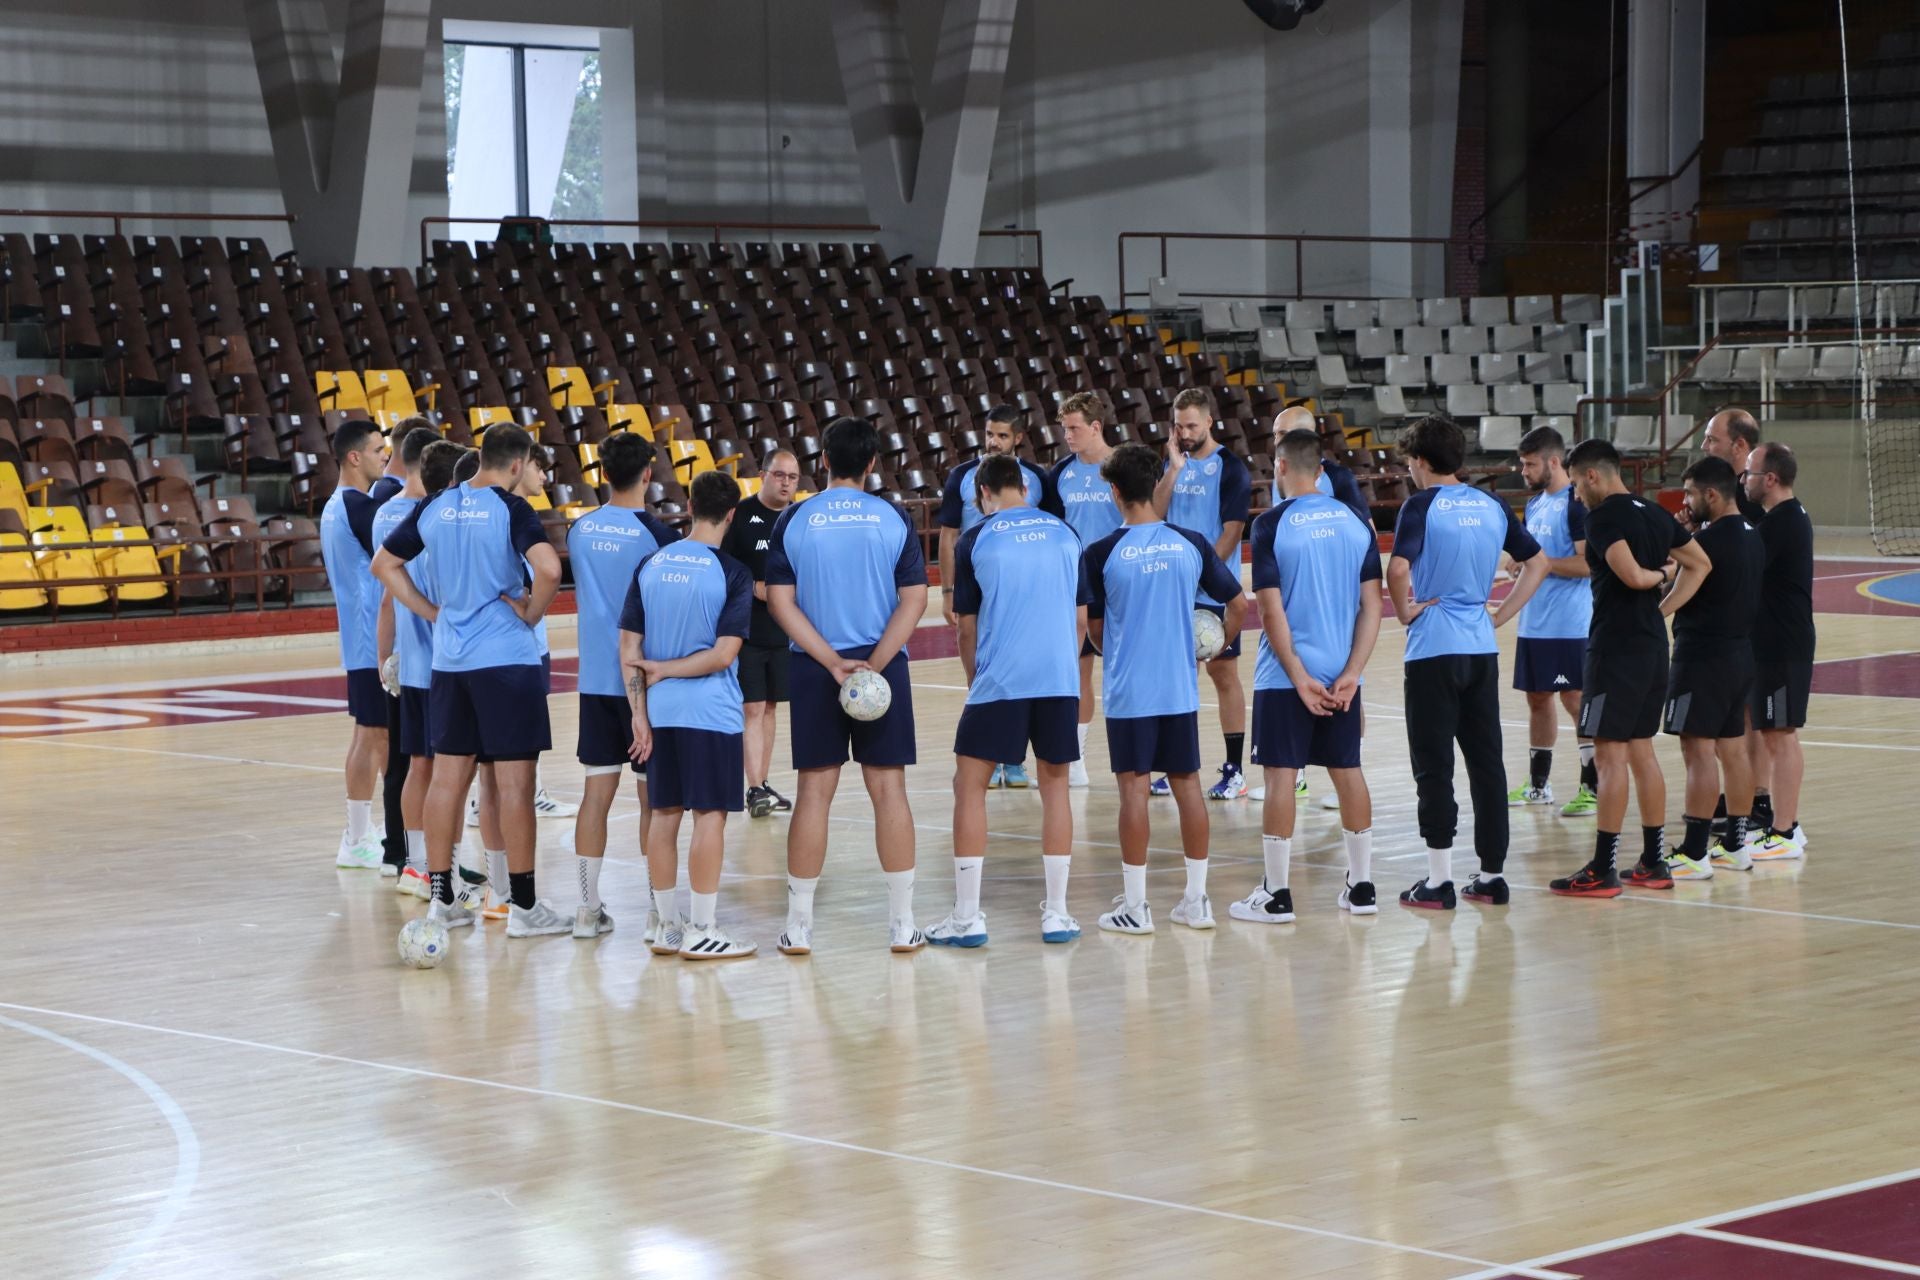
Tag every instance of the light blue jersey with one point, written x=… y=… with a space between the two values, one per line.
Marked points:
x=1143 y=579
x=1086 y=500
x=1320 y=558
x=846 y=554
x=605 y=548
x=412 y=634
x=1020 y=572
x=1211 y=492
x=1453 y=535
x=1562 y=609
x=685 y=597
x=959 y=498
x=346 y=548
x=475 y=540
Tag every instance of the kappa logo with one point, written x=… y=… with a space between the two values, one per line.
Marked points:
x=1560 y=680
x=755 y=520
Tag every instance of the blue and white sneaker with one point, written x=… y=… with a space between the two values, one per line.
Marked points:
x=1160 y=787
x=1231 y=786
x=959 y=933
x=1015 y=776
x=999 y=778
x=1056 y=927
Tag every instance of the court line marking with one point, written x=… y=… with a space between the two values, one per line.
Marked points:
x=186 y=1167
x=1710 y=1220
x=1379 y=709
x=1804 y=1250
x=763 y=1131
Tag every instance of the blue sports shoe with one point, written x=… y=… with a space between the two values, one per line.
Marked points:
x=1015 y=775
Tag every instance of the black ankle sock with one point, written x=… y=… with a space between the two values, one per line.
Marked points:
x=520 y=889
x=1606 y=847
x=1590 y=776
x=1762 y=810
x=1736 y=836
x=1698 y=830
x=1720 y=806
x=442 y=884
x=1539 y=767
x=1236 y=748
x=1653 y=845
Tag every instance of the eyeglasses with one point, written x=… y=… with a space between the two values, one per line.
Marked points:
x=783 y=475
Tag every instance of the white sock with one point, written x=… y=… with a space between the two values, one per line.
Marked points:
x=1439 y=866
x=1586 y=754
x=1081 y=730
x=800 y=898
x=359 y=820
x=589 y=881
x=1278 y=851
x=1359 y=846
x=1056 y=866
x=701 y=906
x=1133 y=883
x=663 y=898
x=417 y=851
x=900 y=893
x=1196 y=878
x=1488 y=877
x=497 y=872
x=966 y=887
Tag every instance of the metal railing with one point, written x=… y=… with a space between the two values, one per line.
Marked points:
x=715 y=226
x=1882 y=312
x=119 y=217
x=280 y=572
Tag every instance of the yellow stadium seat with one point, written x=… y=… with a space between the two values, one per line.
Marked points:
x=17 y=566
x=67 y=522
x=478 y=420
x=590 y=462
x=56 y=565
x=341 y=391
x=630 y=417
x=574 y=510
x=570 y=388
x=689 y=459
x=136 y=559
x=540 y=501
x=12 y=497
x=748 y=486
x=388 y=395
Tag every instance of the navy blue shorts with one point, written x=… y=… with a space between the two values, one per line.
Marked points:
x=1087 y=650
x=416 y=729
x=697 y=769
x=546 y=672
x=606 y=731
x=824 y=735
x=494 y=713
x=1155 y=744
x=1000 y=731
x=1233 y=639
x=367 y=698
x=1288 y=736
x=1549 y=666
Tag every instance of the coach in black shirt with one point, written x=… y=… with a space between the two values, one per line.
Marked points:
x=763 y=658
x=1782 y=642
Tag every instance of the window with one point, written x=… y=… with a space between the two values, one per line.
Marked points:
x=523 y=136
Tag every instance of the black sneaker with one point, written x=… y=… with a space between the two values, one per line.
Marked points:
x=1359 y=899
x=1492 y=892
x=780 y=803
x=759 y=802
x=1588 y=883
x=1427 y=898
x=1263 y=907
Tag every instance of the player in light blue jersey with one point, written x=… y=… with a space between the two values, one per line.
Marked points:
x=488 y=699
x=1446 y=550
x=1020 y=590
x=686 y=615
x=960 y=511
x=1143 y=578
x=847 y=582
x=1208 y=489
x=1086 y=504
x=533 y=484
x=1549 y=657
x=346 y=547
x=1316 y=576
x=605 y=548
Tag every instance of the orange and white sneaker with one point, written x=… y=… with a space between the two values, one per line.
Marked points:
x=498 y=905
x=416 y=883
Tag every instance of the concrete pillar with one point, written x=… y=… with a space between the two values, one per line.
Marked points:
x=1666 y=78
x=1390 y=194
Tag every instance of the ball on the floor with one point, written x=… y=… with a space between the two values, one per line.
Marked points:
x=866 y=695
x=1209 y=635
x=423 y=943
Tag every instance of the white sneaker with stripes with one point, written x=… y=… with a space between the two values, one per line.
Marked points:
x=711 y=942
x=1128 y=919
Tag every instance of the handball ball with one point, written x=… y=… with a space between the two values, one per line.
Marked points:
x=866 y=695
x=423 y=943
x=1209 y=636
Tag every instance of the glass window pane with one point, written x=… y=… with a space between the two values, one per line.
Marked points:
x=563 y=138
x=481 y=183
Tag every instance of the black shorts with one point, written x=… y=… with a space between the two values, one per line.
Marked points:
x=546 y=672
x=1233 y=641
x=1623 y=692
x=763 y=673
x=697 y=769
x=1087 y=650
x=1155 y=744
x=1549 y=666
x=367 y=698
x=824 y=736
x=1000 y=731
x=416 y=726
x=493 y=713
x=606 y=731
x=1288 y=736
x=1780 y=692
x=1708 y=699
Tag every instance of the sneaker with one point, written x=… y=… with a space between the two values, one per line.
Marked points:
x=759 y=802
x=1723 y=855
x=1258 y=793
x=537 y=921
x=1077 y=775
x=1160 y=787
x=591 y=922
x=999 y=778
x=797 y=938
x=414 y=883
x=1232 y=784
x=1264 y=907
x=546 y=806
x=1195 y=912
x=1583 y=805
x=1588 y=883
x=498 y=905
x=1492 y=892
x=391 y=870
x=1681 y=867
x=780 y=803
x=1526 y=794
x=1428 y=898
x=473 y=808
x=1359 y=899
x=1642 y=876
x=903 y=937
x=1756 y=834
x=959 y=933
x=1300 y=791
x=1778 y=846
x=365 y=856
x=711 y=942
x=1330 y=801
x=472 y=893
x=663 y=935
x=1126 y=919
x=1016 y=777
x=450 y=914
x=1056 y=927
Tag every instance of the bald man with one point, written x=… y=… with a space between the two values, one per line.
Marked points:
x=1731 y=436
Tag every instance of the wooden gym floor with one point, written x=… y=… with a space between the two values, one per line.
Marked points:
x=216 y=1067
